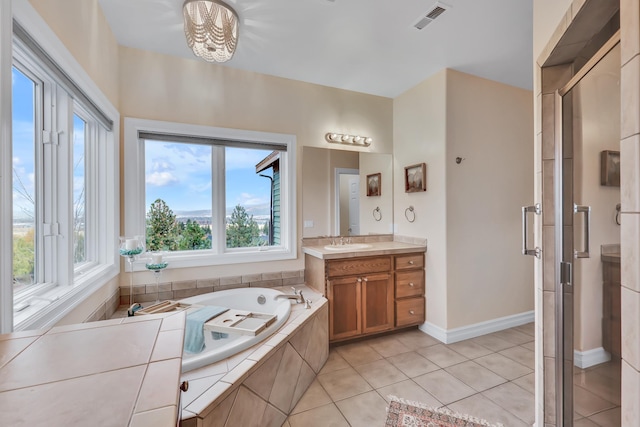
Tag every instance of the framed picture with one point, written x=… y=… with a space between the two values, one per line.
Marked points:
x=415 y=178
x=374 y=184
x=610 y=168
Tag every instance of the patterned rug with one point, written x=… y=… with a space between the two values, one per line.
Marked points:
x=404 y=413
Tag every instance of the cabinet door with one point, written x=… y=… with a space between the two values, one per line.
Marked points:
x=377 y=302
x=344 y=308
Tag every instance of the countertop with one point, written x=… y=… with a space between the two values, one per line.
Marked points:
x=120 y=372
x=377 y=248
x=610 y=253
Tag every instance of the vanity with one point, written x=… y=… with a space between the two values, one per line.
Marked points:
x=611 y=310
x=372 y=287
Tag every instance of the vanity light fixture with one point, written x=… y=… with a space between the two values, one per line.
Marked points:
x=340 y=138
x=211 y=29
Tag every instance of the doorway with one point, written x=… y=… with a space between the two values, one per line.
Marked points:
x=347 y=202
x=587 y=300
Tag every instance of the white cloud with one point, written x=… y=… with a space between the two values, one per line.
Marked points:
x=161 y=179
x=246 y=199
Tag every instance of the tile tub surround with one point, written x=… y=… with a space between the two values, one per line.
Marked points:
x=144 y=287
x=64 y=375
x=261 y=385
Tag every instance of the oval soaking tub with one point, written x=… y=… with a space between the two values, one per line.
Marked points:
x=220 y=346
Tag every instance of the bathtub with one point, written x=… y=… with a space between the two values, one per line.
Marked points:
x=240 y=299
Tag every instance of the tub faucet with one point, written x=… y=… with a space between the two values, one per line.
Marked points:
x=297 y=296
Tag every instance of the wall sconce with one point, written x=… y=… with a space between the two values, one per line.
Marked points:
x=340 y=138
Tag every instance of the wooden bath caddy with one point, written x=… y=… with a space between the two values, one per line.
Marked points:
x=164 y=307
x=240 y=322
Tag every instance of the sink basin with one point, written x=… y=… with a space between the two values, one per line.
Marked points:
x=347 y=247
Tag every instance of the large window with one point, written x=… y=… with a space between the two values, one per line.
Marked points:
x=211 y=195
x=64 y=189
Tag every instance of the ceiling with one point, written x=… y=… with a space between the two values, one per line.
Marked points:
x=368 y=46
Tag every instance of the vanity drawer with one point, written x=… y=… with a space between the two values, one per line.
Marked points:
x=356 y=266
x=410 y=284
x=410 y=311
x=406 y=262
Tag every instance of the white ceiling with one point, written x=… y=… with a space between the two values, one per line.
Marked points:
x=366 y=46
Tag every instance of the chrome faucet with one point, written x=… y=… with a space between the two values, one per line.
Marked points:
x=297 y=296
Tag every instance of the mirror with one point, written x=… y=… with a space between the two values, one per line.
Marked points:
x=335 y=188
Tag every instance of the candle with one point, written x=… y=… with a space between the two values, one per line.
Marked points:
x=156 y=258
x=131 y=244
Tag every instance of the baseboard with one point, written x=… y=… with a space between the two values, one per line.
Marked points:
x=449 y=336
x=589 y=358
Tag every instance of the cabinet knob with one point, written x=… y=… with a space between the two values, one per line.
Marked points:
x=411 y=312
x=365 y=279
x=184 y=386
x=411 y=284
x=359 y=280
x=411 y=263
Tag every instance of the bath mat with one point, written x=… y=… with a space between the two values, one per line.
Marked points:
x=404 y=413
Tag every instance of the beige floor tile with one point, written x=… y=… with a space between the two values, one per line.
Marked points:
x=587 y=403
x=601 y=385
x=358 y=353
x=343 y=384
x=611 y=370
x=324 y=416
x=521 y=355
x=529 y=329
x=388 y=346
x=409 y=390
x=503 y=366
x=441 y=355
x=610 y=418
x=469 y=349
x=514 y=336
x=444 y=386
x=364 y=410
x=492 y=342
x=528 y=382
x=514 y=399
x=481 y=407
x=334 y=362
x=475 y=376
x=380 y=373
x=416 y=339
x=412 y=364
x=314 y=397
x=529 y=346
x=584 y=422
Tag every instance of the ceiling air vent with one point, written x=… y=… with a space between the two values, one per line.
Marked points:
x=437 y=10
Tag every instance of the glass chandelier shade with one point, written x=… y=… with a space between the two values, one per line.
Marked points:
x=211 y=29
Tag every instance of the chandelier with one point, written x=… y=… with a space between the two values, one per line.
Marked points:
x=211 y=29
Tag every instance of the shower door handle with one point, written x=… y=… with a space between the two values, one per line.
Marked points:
x=536 y=209
x=586 y=210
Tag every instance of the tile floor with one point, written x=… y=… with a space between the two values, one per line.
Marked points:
x=489 y=377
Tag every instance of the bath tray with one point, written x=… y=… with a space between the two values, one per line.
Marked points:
x=240 y=322
x=164 y=307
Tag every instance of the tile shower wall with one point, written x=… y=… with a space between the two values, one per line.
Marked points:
x=146 y=292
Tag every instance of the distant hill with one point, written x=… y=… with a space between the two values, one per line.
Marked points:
x=256 y=211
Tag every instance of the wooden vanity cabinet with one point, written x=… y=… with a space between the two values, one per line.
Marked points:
x=611 y=308
x=409 y=290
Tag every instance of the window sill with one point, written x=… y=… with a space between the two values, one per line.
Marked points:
x=62 y=300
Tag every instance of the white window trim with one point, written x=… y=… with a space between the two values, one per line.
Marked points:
x=45 y=314
x=134 y=192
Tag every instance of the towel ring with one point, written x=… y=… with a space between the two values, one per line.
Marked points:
x=377 y=215
x=410 y=212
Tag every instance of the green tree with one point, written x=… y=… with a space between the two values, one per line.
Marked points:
x=242 y=230
x=162 y=227
x=24 y=257
x=193 y=237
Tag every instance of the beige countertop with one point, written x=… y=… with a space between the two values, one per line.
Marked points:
x=120 y=372
x=376 y=248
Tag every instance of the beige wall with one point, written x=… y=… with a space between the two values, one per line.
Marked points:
x=546 y=18
x=489 y=125
x=370 y=164
x=470 y=213
x=82 y=27
x=161 y=87
x=419 y=132
x=596 y=107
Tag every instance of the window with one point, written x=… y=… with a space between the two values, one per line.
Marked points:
x=211 y=195
x=64 y=189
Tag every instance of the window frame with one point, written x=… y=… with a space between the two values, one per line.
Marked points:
x=65 y=287
x=135 y=204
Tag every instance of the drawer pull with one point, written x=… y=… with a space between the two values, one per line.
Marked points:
x=411 y=284
x=411 y=263
x=411 y=312
x=184 y=386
